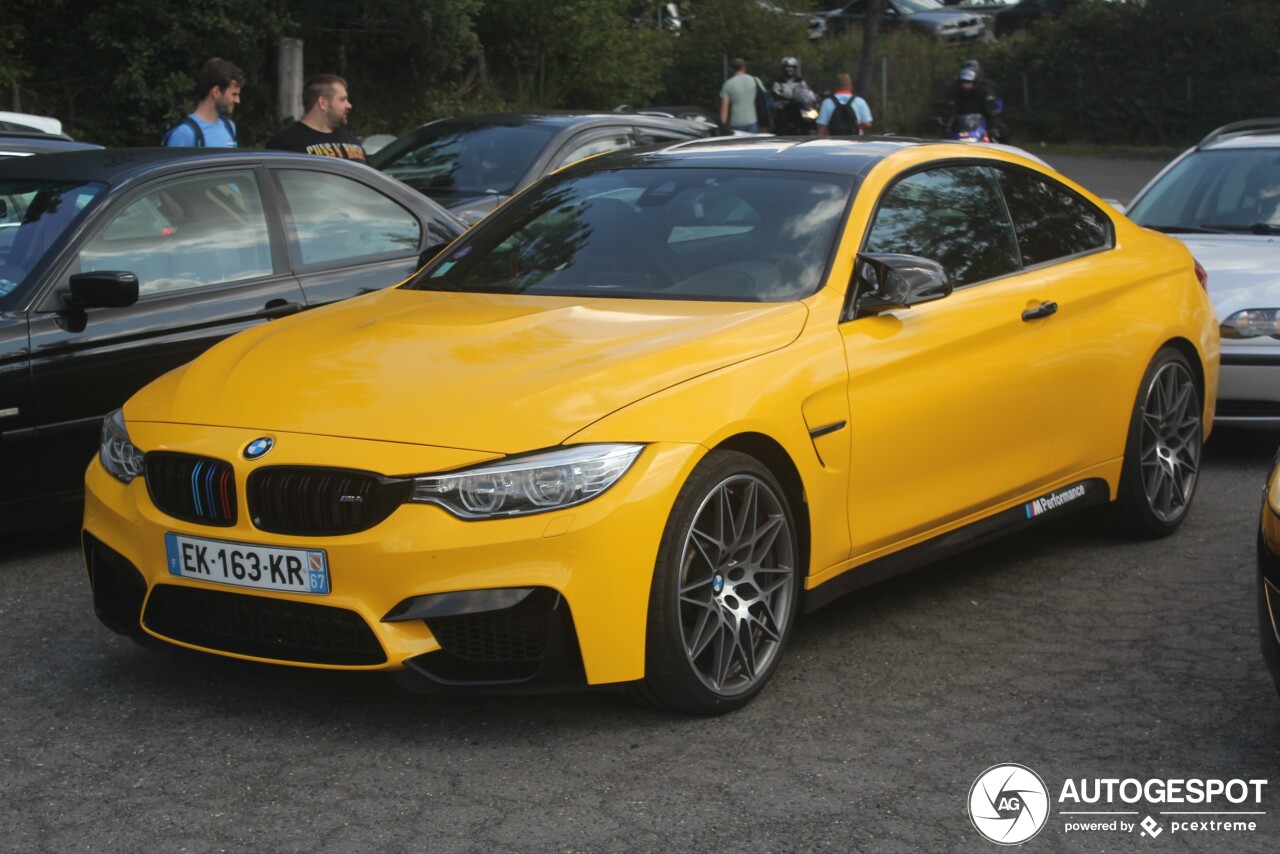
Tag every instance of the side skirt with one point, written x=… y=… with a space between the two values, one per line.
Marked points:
x=1075 y=496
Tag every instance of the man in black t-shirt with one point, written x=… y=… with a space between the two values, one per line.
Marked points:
x=323 y=129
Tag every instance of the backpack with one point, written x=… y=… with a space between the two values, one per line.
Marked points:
x=195 y=127
x=764 y=106
x=843 y=121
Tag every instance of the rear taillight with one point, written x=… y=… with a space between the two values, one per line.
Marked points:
x=1202 y=275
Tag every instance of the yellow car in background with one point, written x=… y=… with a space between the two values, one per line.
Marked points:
x=628 y=427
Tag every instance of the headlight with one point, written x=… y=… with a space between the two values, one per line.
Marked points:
x=120 y=457
x=532 y=484
x=1252 y=323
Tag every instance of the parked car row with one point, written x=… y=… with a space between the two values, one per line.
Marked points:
x=954 y=21
x=697 y=337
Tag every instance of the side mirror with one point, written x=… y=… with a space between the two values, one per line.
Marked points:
x=103 y=289
x=888 y=281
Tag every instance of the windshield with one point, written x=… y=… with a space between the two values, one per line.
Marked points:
x=451 y=162
x=33 y=217
x=1234 y=190
x=653 y=233
x=913 y=7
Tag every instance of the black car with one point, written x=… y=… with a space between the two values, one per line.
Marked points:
x=1269 y=574
x=22 y=143
x=119 y=264
x=471 y=164
x=1028 y=12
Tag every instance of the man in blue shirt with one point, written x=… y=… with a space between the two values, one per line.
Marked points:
x=210 y=125
x=843 y=113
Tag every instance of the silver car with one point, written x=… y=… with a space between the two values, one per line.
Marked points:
x=926 y=16
x=1222 y=198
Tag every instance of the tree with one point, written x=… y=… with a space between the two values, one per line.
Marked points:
x=870 y=38
x=572 y=53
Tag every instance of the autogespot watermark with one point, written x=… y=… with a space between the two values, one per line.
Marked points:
x=1010 y=803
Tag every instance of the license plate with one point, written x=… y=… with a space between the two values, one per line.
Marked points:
x=244 y=565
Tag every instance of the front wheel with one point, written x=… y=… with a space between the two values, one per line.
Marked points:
x=725 y=588
x=1162 y=452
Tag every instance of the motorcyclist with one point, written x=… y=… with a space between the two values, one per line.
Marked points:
x=795 y=103
x=974 y=93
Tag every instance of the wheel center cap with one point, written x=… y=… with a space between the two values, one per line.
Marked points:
x=717 y=583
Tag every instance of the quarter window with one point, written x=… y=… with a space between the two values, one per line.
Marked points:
x=185 y=234
x=337 y=219
x=1051 y=221
x=595 y=145
x=953 y=215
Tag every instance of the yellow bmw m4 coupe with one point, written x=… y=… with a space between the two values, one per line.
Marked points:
x=631 y=425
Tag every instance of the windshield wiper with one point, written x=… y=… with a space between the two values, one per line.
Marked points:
x=1255 y=228
x=1188 y=229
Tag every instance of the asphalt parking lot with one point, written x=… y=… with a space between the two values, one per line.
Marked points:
x=1064 y=649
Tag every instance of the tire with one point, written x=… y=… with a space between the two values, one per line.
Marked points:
x=725 y=589
x=1162 y=453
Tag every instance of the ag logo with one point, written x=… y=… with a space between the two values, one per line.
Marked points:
x=1008 y=804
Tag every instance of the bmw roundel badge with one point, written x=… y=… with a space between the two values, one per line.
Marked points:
x=258 y=448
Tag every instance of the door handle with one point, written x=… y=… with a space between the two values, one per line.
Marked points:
x=279 y=308
x=1044 y=309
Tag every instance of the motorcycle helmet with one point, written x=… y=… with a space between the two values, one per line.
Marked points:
x=974 y=64
x=790 y=67
x=967 y=75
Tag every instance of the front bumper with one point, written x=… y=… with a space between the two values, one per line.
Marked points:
x=542 y=600
x=1249 y=384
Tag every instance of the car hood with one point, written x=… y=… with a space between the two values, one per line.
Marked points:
x=484 y=372
x=1244 y=269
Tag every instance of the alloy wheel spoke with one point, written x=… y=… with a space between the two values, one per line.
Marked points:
x=765 y=537
x=766 y=621
x=743 y=642
x=725 y=652
x=709 y=624
x=710 y=547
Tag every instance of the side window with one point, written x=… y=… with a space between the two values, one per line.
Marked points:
x=650 y=136
x=337 y=219
x=1051 y=221
x=594 y=145
x=186 y=233
x=953 y=215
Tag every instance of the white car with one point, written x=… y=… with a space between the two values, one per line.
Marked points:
x=1222 y=199
x=29 y=122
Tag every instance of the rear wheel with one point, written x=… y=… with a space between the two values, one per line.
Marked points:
x=725 y=588
x=1162 y=453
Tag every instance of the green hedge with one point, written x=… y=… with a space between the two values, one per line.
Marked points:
x=1159 y=72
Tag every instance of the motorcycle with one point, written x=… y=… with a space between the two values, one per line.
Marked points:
x=797 y=115
x=968 y=127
